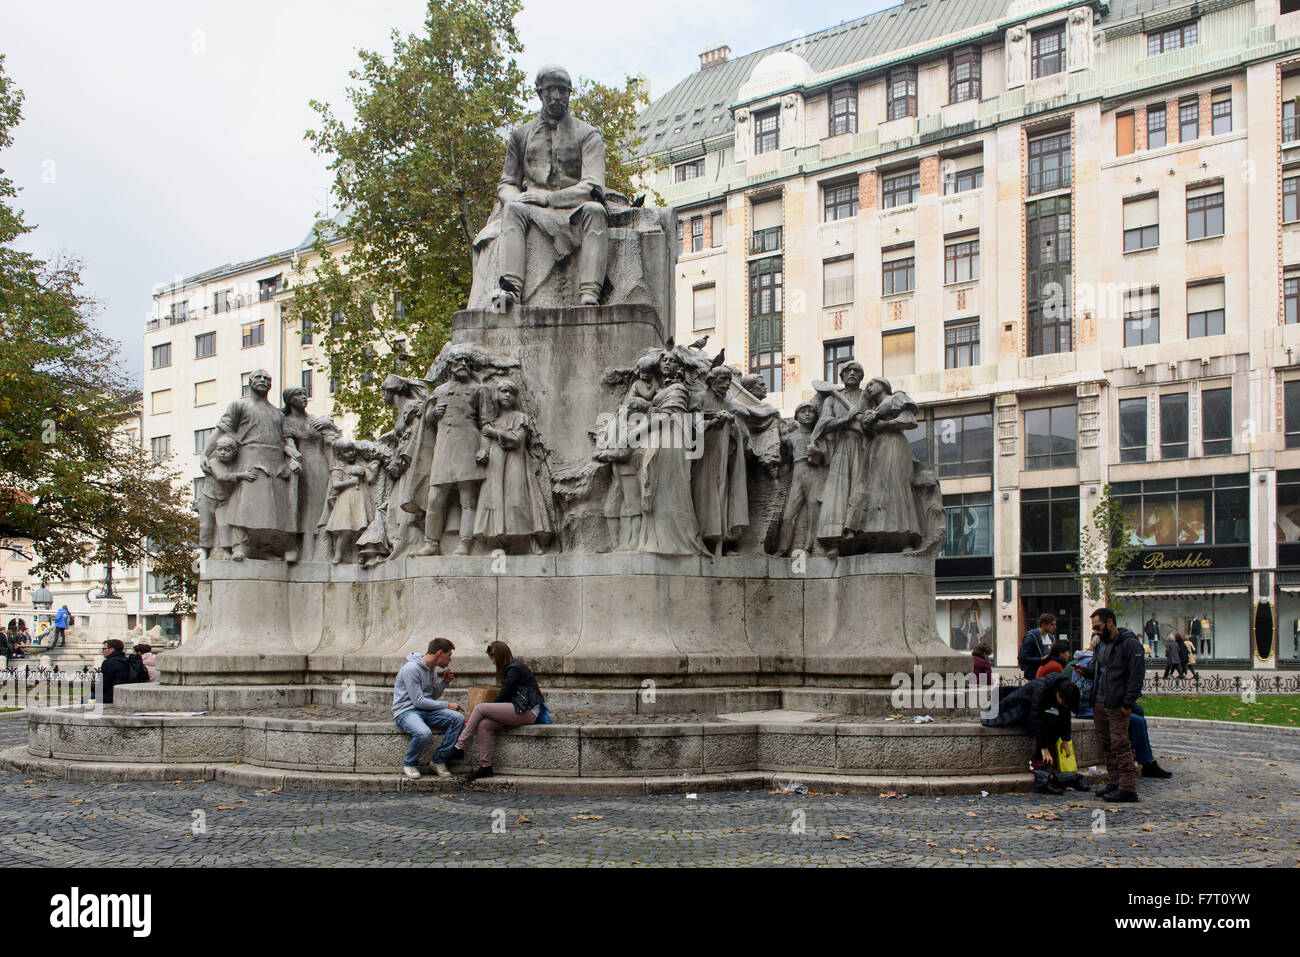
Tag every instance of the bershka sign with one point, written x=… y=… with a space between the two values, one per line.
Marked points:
x=77 y=910
x=1193 y=559
x=1156 y=561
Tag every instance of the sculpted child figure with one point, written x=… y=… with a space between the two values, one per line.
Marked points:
x=220 y=479
x=350 y=505
x=805 y=483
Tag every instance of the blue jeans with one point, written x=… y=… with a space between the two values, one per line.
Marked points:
x=1137 y=733
x=420 y=725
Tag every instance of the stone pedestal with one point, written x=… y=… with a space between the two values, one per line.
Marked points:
x=563 y=352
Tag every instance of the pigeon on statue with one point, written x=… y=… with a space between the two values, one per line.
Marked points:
x=700 y=343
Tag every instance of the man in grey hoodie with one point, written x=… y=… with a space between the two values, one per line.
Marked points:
x=419 y=711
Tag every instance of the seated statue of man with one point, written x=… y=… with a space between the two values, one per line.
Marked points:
x=554 y=180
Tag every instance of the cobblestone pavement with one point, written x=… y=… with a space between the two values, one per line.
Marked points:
x=1234 y=800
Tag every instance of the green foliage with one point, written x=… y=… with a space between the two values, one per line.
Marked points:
x=416 y=177
x=1108 y=546
x=613 y=111
x=1265 y=709
x=67 y=482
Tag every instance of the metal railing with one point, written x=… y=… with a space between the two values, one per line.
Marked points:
x=765 y=240
x=1209 y=684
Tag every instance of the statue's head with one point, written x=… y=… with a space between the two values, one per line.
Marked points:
x=878 y=387
x=226 y=449
x=346 y=449
x=507 y=393
x=806 y=414
x=852 y=374
x=647 y=367
x=260 y=382
x=394 y=386
x=553 y=88
x=719 y=381
x=295 y=397
x=754 y=385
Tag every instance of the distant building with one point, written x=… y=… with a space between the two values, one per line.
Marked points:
x=1071 y=231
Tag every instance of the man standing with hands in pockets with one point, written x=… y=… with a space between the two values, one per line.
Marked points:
x=419 y=711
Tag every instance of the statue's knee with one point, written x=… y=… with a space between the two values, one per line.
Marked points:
x=593 y=213
x=516 y=213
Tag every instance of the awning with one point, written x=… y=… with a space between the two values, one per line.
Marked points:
x=974 y=596
x=1289 y=589
x=1186 y=592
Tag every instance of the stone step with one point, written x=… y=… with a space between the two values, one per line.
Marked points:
x=337 y=741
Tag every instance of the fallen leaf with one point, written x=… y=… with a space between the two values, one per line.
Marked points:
x=541 y=842
x=586 y=817
x=843 y=837
x=524 y=820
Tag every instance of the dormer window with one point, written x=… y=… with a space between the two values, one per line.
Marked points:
x=844 y=109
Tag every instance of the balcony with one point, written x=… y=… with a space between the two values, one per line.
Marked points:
x=1044 y=181
x=765 y=240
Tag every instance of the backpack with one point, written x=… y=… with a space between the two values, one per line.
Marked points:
x=136 y=672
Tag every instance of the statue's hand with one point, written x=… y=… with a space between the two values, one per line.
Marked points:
x=533 y=198
x=481 y=456
x=295 y=466
x=440 y=409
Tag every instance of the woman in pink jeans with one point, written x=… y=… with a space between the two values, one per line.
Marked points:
x=519 y=702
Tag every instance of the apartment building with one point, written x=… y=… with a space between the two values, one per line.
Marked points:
x=1071 y=232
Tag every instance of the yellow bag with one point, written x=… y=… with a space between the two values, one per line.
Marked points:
x=1065 y=762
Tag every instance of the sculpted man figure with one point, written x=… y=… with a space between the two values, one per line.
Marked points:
x=456 y=411
x=554 y=180
x=260 y=513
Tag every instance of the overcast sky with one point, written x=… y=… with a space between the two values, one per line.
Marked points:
x=160 y=139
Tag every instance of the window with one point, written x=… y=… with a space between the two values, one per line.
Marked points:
x=1156 y=134
x=1173 y=425
x=834 y=355
x=1048 y=280
x=161 y=401
x=1141 y=223
x=765 y=218
x=1221 y=113
x=1291 y=298
x=16 y=591
x=1133 y=430
x=1216 y=421
x=837 y=282
x=1291 y=405
x=1290 y=211
x=223 y=301
x=961 y=344
x=306 y=381
x=201 y=439
x=266 y=288
x=963 y=445
x=704 y=304
x=1205 y=211
x=840 y=201
x=969 y=521
x=336 y=316
x=901 y=189
x=399 y=308
x=687 y=171
x=254 y=333
x=765 y=328
x=334 y=384
x=767 y=131
x=719 y=229
x=307 y=330
x=961 y=173
x=1189 y=119
x=1141 y=317
x=205 y=393
x=1290 y=130
x=1171 y=38
x=697 y=234
x=964 y=75
x=178 y=312
x=1047 y=51
x=681 y=233
x=243 y=383
x=899 y=270
x=898 y=353
x=1049 y=163
x=1205 y=310
x=961 y=260
x=162 y=355
x=160 y=447
x=1049 y=519
x=1125 y=133
x=1199 y=510
x=205 y=345
x=844 y=109
x=1050 y=438
x=900 y=93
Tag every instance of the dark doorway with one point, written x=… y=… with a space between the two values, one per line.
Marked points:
x=1066 y=610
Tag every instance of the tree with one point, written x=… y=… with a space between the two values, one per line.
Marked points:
x=68 y=482
x=1108 y=546
x=614 y=111
x=416 y=176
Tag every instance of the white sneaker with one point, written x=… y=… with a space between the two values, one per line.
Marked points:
x=441 y=769
x=411 y=772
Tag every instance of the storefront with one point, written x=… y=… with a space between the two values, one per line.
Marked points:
x=964 y=572
x=1192 y=575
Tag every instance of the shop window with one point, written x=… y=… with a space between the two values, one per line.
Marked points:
x=969 y=521
x=1198 y=510
x=1291 y=403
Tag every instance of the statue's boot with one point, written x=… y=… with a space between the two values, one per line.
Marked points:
x=466 y=530
x=430 y=547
